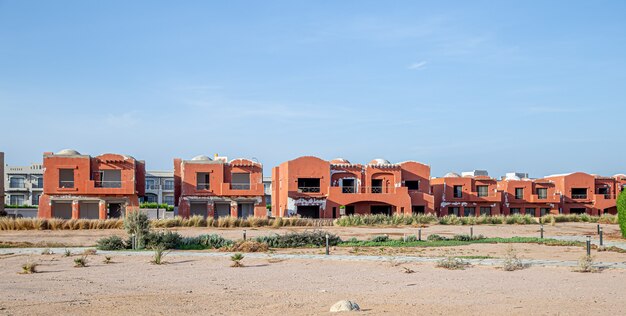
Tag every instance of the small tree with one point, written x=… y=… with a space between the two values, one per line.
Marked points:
x=136 y=223
x=621 y=212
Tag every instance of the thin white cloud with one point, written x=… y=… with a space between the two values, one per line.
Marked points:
x=418 y=65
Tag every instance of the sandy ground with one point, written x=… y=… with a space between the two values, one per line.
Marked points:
x=209 y=286
x=89 y=237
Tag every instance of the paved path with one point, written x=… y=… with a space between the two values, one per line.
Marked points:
x=399 y=259
x=594 y=240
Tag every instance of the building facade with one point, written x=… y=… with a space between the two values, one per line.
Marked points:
x=2 y=183
x=537 y=197
x=23 y=185
x=217 y=187
x=81 y=186
x=466 y=196
x=312 y=187
x=159 y=187
x=585 y=193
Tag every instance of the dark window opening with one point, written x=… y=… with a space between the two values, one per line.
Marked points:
x=418 y=209
x=579 y=193
x=347 y=186
x=309 y=185
x=377 y=186
x=412 y=185
x=469 y=211
x=483 y=190
x=458 y=191
x=519 y=193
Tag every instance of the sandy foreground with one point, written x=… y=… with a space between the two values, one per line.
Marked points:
x=198 y=285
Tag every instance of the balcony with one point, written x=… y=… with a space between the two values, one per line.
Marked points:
x=168 y=186
x=66 y=184
x=202 y=186
x=348 y=189
x=579 y=196
x=108 y=184
x=308 y=189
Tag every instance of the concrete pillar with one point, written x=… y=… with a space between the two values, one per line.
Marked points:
x=75 y=210
x=102 y=209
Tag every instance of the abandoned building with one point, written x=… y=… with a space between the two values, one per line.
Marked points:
x=217 y=187
x=312 y=187
x=80 y=186
x=585 y=193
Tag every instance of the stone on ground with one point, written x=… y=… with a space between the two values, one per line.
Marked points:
x=344 y=306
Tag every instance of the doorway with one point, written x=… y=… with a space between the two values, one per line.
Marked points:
x=380 y=209
x=309 y=211
x=114 y=210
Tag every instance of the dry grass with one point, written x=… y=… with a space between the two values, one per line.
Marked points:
x=231 y=222
x=247 y=246
x=511 y=261
x=585 y=265
x=107 y=260
x=452 y=263
x=29 y=268
x=7 y=223
x=80 y=262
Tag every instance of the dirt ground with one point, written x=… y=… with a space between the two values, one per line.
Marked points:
x=208 y=286
x=89 y=237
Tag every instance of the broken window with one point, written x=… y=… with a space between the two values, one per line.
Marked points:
x=309 y=185
x=412 y=185
x=202 y=181
x=66 y=178
x=579 y=193
x=483 y=190
x=458 y=191
x=240 y=181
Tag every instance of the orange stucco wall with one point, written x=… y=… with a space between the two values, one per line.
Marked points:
x=220 y=188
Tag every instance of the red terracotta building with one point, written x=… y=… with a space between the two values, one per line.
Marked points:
x=217 y=188
x=81 y=186
x=537 y=197
x=586 y=193
x=466 y=196
x=312 y=187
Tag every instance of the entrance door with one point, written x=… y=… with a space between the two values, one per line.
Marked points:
x=114 y=210
x=310 y=211
x=198 y=209
x=245 y=210
x=380 y=209
x=349 y=209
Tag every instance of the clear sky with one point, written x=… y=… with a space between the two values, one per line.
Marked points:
x=527 y=86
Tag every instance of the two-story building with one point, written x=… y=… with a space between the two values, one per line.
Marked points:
x=585 y=193
x=312 y=187
x=81 y=186
x=466 y=196
x=159 y=187
x=521 y=195
x=24 y=185
x=218 y=187
x=2 y=183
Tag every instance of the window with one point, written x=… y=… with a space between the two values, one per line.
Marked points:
x=151 y=198
x=519 y=193
x=544 y=211
x=470 y=211
x=454 y=211
x=515 y=210
x=240 y=181
x=16 y=199
x=413 y=185
x=418 y=209
x=377 y=186
x=483 y=190
x=605 y=191
x=347 y=186
x=485 y=210
x=150 y=184
x=306 y=185
x=16 y=182
x=36 y=199
x=579 y=193
x=109 y=179
x=66 y=178
x=169 y=185
x=580 y=210
x=37 y=182
x=530 y=211
x=458 y=191
x=542 y=193
x=168 y=199
x=202 y=181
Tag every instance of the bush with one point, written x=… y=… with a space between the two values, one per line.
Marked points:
x=154 y=205
x=466 y=237
x=621 y=213
x=247 y=246
x=511 y=261
x=212 y=241
x=316 y=238
x=435 y=237
x=167 y=240
x=452 y=263
x=236 y=259
x=29 y=268
x=380 y=238
x=80 y=262
x=111 y=243
x=585 y=264
x=159 y=254
x=137 y=223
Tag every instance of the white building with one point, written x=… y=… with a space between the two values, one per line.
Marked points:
x=160 y=187
x=23 y=185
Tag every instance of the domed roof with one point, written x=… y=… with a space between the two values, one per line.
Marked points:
x=340 y=161
x=619 y=175
x=201 y=158
x=380 y=161
x=512 y=177
x=452 y=175
x=68 y=152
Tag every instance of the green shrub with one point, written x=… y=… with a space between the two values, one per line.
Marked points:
x=379 y=238
x=316 y=238
x=236 y=259
x=466 y=237
x=137 y=223
x=111 y=243
x=410 y=238
x=435 y=237
x=154 y=205
x=80 y=262
x=159 y=254
x=167 y=240
x=621 y=213
x=212 y=241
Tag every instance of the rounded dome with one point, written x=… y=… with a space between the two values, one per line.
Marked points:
x=452 y=175
x=68 y=152
x=513 y=177
x=619 y=175
x=201 y=157
x=340 y=161
x=379 y=161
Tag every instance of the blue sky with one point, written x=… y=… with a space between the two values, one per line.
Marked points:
x=527 y=86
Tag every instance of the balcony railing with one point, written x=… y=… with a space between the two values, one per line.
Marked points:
x=240 y=186
x=202 y=186
x=107 y=184
x=376 y=189
x=579 y=196
x=168 y=187
x=351 y=189
x=309 y=189
x=17 y=185
x=152 y=186
x=66 y=184
x=542 y=197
